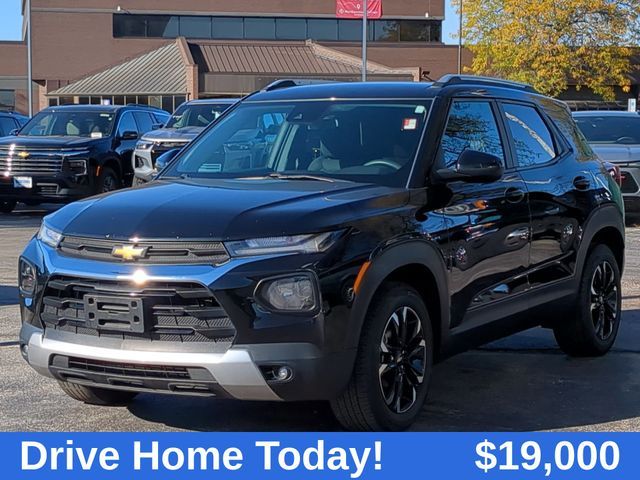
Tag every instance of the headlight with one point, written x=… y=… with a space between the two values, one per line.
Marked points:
x=77 y=167
x=144 y=145
x=49 y=236
x=296 y=293
x=26 y=277
x=313 y=243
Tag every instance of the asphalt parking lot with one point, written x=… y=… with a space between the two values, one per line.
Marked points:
x=520 y=383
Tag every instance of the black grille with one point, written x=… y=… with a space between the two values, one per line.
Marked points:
x=154 y=252
x=128 y=369
x=175 y=312
x=629 y=184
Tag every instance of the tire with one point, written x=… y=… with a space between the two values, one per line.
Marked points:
x=97 y=396
x=7 y=206
x=108 y=181
x=593 y=325
x=370 y=401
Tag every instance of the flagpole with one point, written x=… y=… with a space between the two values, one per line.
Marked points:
x=365 y=7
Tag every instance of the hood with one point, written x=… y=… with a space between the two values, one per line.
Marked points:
x=224 y=209
x=49 y=142
x=173 y=134
x=616 y=153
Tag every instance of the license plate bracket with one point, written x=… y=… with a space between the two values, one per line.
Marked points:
x=120 y=314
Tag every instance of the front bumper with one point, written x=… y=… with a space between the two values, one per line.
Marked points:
x=54 y=188
x=312 y=346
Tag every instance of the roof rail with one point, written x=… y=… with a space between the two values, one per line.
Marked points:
x=453 y=79
x=292 y=82
x=140 y=105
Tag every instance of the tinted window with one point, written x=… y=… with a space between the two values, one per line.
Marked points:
x=321 y=29
x=195 y=27
x=621 y=129
x=531 y=136
x=363 y=141
x=471 y=126
x=144 y=121
x=69 y=123
x=228 y=27
x=291 y=29
x=414 y=31
x=349 y=30
x=562 y=118
x=260 y=28
x=127 y=124
x=196 y=114
x=162 y=26
x=6 y=126
x=129 y=26
x=386 y=30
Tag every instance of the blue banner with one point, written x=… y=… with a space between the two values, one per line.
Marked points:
x=322 y=455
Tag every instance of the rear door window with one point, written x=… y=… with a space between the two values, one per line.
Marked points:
x=144 y=121
x=532 y=138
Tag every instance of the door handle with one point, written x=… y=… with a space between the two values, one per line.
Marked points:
x=581 y=183
x=514 y=195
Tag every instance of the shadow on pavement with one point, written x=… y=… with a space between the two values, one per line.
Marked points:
x=8 y=295
x=481 y=390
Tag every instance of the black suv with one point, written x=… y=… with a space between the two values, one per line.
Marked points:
x=384 y=227
x=70 y=152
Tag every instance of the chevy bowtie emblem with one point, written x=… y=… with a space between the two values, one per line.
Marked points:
x=129 y=252
x=24 y=154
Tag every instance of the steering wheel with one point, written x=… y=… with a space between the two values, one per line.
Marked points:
x=385 y=163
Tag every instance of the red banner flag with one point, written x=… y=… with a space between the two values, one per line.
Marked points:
x=353 y=9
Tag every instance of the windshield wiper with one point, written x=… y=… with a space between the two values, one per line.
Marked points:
x=283 y=176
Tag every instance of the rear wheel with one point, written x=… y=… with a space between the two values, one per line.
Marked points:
x=97 y=396
x=7 y=206
x=108 y=181
x=390 y=380
x=592 y=328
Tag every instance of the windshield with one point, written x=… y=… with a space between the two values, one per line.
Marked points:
x=372 y=141
x=196 y=115
x=69 y=123
x=621 y=129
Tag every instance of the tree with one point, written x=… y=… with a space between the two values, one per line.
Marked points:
x=553 y=43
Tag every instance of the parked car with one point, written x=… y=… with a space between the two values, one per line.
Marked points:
x=615 y=137
x=70 y=152
x=390 y=225
x=10 y=122
x=185 y=124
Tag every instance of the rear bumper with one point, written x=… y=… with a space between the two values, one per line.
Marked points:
x=57 y=188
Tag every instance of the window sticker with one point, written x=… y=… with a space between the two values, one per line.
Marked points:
x=410 y=124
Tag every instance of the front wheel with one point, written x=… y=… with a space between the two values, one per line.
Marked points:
x=391 y=375
x=108 y=181
x=591 y=330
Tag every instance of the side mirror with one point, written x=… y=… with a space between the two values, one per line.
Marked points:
x=157 y=126
x=474 y=167
x=165 y=159
x=129 y=135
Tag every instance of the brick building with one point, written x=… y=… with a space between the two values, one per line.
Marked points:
x=164 y=51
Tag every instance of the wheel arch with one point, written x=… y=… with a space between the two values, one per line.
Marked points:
x=605 y=226
x=417 y=263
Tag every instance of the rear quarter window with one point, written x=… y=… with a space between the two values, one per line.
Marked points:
x=562 y=119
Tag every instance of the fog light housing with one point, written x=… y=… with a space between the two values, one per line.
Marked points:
x=294 y=293
x=27 y=277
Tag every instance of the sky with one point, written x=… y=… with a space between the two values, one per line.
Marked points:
x=11 y=21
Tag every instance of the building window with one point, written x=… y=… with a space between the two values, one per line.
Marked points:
x=195 y=27
x=229 y=28
x=270 y=28
x=291 y=29
x=260 y=28
x=322 y=29
x=7 y=99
